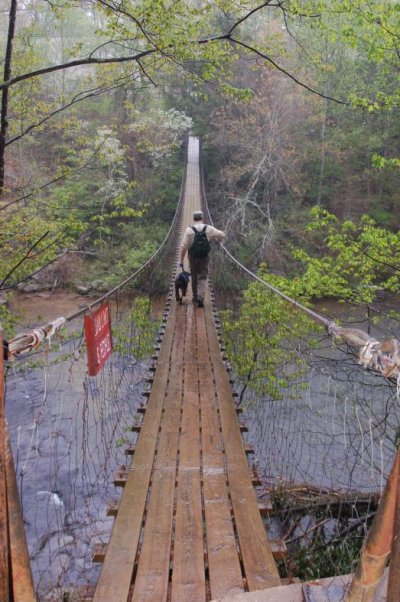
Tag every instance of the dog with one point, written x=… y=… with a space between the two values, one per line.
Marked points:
x=181 y=284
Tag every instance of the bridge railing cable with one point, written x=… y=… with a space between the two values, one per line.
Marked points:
x=323 y=428
x=29 y=341
x=73 y=435
x=316 y=316
x=379 y=356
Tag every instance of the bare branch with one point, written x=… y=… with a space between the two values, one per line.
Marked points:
x=295 y=40
x=284 y=71
x=78 y=98
x=120 y=11
x=46 y=265
x=53 y=181
x=250 y=14
x=378 y=21
x=24 y=258
x=122 y=59
x=388 y=265
x=147 y=76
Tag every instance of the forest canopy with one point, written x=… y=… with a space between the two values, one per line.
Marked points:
x=296 y=104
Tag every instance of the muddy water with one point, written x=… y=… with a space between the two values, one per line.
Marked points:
x=42 y=307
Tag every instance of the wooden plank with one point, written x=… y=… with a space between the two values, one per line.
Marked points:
x=278 y=548
x=224 y=566
x=22 y=580
x=112 y=508
x=121 y=477
x=188 y=575
x=4 y=534
x=223 y=561
x=258 y=562
x=116 y=574
x=99 y=552
x=265 y=507
x=151 y=582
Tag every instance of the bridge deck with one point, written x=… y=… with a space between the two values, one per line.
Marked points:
x=188 y=525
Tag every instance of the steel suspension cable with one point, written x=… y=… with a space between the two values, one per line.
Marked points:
x=354 y=337
x=313 y=314
x=316 y=316
x=138 y=271
x=31 y=340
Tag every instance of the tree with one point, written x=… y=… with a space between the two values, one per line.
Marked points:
x=118 y=51
x=354 y=260
x=336 y=155
x=259 y=339
x=5 y=93
x=153 y=38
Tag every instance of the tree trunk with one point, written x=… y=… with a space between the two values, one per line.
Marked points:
x=323 y=154
x=5 y=592
x=4 y=95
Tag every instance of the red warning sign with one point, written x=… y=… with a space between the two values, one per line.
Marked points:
x=98 y=338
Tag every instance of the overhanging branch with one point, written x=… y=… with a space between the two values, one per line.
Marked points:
x=78 y=63
x=282 y=70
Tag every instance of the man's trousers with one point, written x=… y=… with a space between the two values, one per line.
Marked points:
x=199 y=273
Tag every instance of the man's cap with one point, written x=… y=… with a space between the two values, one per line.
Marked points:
x=197 y=214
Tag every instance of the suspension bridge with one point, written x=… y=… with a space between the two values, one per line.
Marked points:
x=188 y=522
x=188 y=525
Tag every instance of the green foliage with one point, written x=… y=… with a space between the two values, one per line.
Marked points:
x=29 y=241
x=122 y=442
x=353 y=260
x=115 y=260
x=134 y=335
x=8 y=322
x=319 y=559
x=128 y=261
x=382 y=163
x=258 y=339
x=161 y=132
x=109 y=152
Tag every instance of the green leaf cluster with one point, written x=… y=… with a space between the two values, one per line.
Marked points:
x=134 y=335
x=28 y=241
x=264 y=338
x=353 y=261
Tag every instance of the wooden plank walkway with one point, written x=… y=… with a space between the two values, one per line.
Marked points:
x=188 y=526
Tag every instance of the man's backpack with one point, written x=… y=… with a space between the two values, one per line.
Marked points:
x=201 y=246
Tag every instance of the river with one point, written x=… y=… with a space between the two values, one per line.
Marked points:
x=69 y=433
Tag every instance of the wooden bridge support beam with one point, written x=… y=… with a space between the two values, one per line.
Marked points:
x=378 y=545
x=16 y=583
x=394 y=569
x=4 y=534
x=22 y=582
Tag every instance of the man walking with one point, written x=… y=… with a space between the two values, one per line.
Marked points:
x=196 y=244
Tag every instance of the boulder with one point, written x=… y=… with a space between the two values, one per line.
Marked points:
x=3 y=300
x=33 y=287
x=82 y=290
x=98 y=285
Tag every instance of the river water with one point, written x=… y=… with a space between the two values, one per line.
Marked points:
x=69 y=433
x=341 y=428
